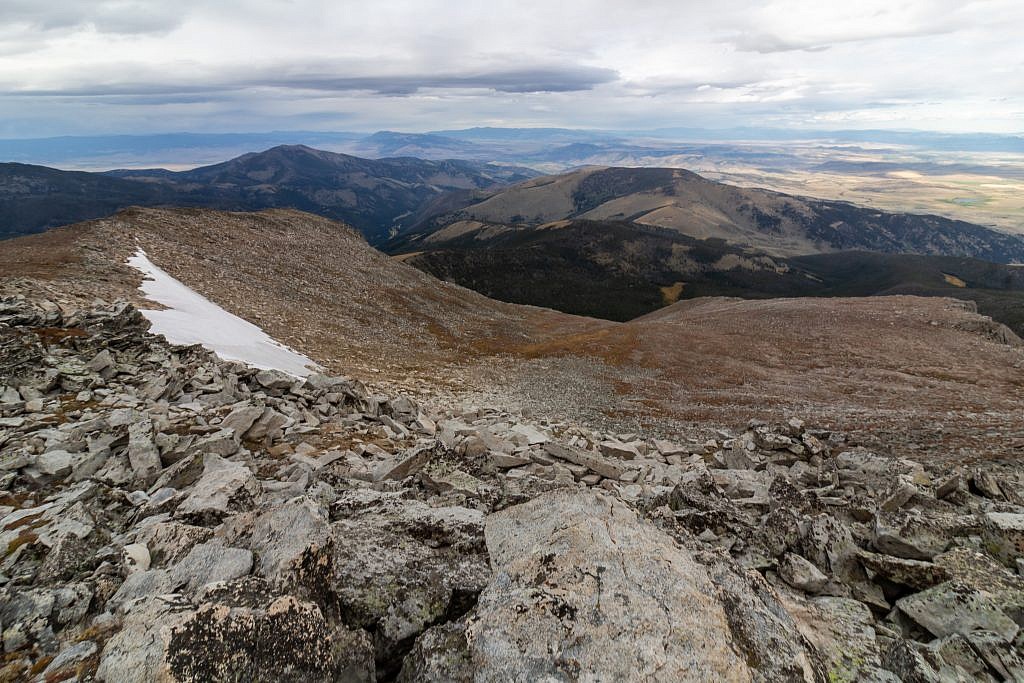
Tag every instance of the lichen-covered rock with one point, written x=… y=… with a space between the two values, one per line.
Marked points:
x=585 y=590
x=801 y=574
x=1004 y=536
x=294 y=545
x=225 y=487
x=278 y=639
x=401 y=565
x=913 y=573
x=952 y=607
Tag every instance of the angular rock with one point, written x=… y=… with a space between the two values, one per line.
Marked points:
x=143 y=455
x=913 y=573
x=400 y=565
x=953 y=608
x=241 y=419
x=282 y=639
x=910 y=535
x=301 y=557
x=1004 y=536
x=801 y=574
x=595 y=463
x=616 y=449
x=224 y=488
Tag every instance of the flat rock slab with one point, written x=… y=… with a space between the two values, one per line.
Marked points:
x=954 y=608
x=584 y=590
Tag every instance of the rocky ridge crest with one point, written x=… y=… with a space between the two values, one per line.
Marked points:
x=166 y=515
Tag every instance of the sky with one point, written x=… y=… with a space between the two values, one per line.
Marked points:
x=84 y=67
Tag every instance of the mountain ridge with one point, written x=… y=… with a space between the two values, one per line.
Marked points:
x=374 y=195
x=771 y=222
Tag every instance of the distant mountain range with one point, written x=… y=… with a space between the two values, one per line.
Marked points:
x=377 y=196
x=504 y=145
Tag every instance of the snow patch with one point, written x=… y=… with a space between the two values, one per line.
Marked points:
x=191 y=318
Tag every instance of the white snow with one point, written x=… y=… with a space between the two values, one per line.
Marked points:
x=191 y=318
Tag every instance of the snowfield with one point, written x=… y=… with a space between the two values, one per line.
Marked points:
x=191 y=318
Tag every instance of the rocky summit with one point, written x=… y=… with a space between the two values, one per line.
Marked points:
x=169 y=516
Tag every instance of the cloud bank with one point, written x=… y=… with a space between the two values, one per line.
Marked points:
x=123 y=66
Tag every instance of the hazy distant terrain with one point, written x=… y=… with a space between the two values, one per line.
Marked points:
x=977 y=178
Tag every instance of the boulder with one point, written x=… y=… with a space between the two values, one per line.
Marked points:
x=953 y=607
x=593 y=462
x=143 y=455
x=401 y=565
x=911 y=535
x=236 y=637
x=1004 y=536
x=546 y=612
x=912 y=573
x=299 y=558
x=241 y=419
x=617 y=449
x=224 y=488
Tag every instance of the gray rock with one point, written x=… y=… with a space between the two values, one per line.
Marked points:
x=953 y=608
x=400 y=565
x=209 y=563
x=269 y=423
x=222 y=442
x=275 y=639
x=913 y=573
x=275 y=379
x=616 y=449
x=401 y=467
x=909 y=535
x=56 y=463
x=69 y=657
x=1004 y=536
x=241 y=419
x=301 y=557
x=224 y=488
x=1000 y=655
x=143 y=455
x=603 y=466
x=557 y=560
x=801 y=574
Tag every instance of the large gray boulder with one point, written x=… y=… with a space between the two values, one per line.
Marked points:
x=585 y=590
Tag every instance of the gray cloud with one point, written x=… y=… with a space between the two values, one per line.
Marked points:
x=151 y=65
x=527 y=80
x=105 y=16
x=530 y=80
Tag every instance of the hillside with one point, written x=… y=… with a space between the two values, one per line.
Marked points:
x=620 y=270
x=770 y=222
x=318 y=287
x=377 y=196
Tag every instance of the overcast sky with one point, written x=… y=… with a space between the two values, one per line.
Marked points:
x=134 y=66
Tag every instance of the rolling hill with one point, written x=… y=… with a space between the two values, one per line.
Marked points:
x=620 y=270
x=777 y=224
